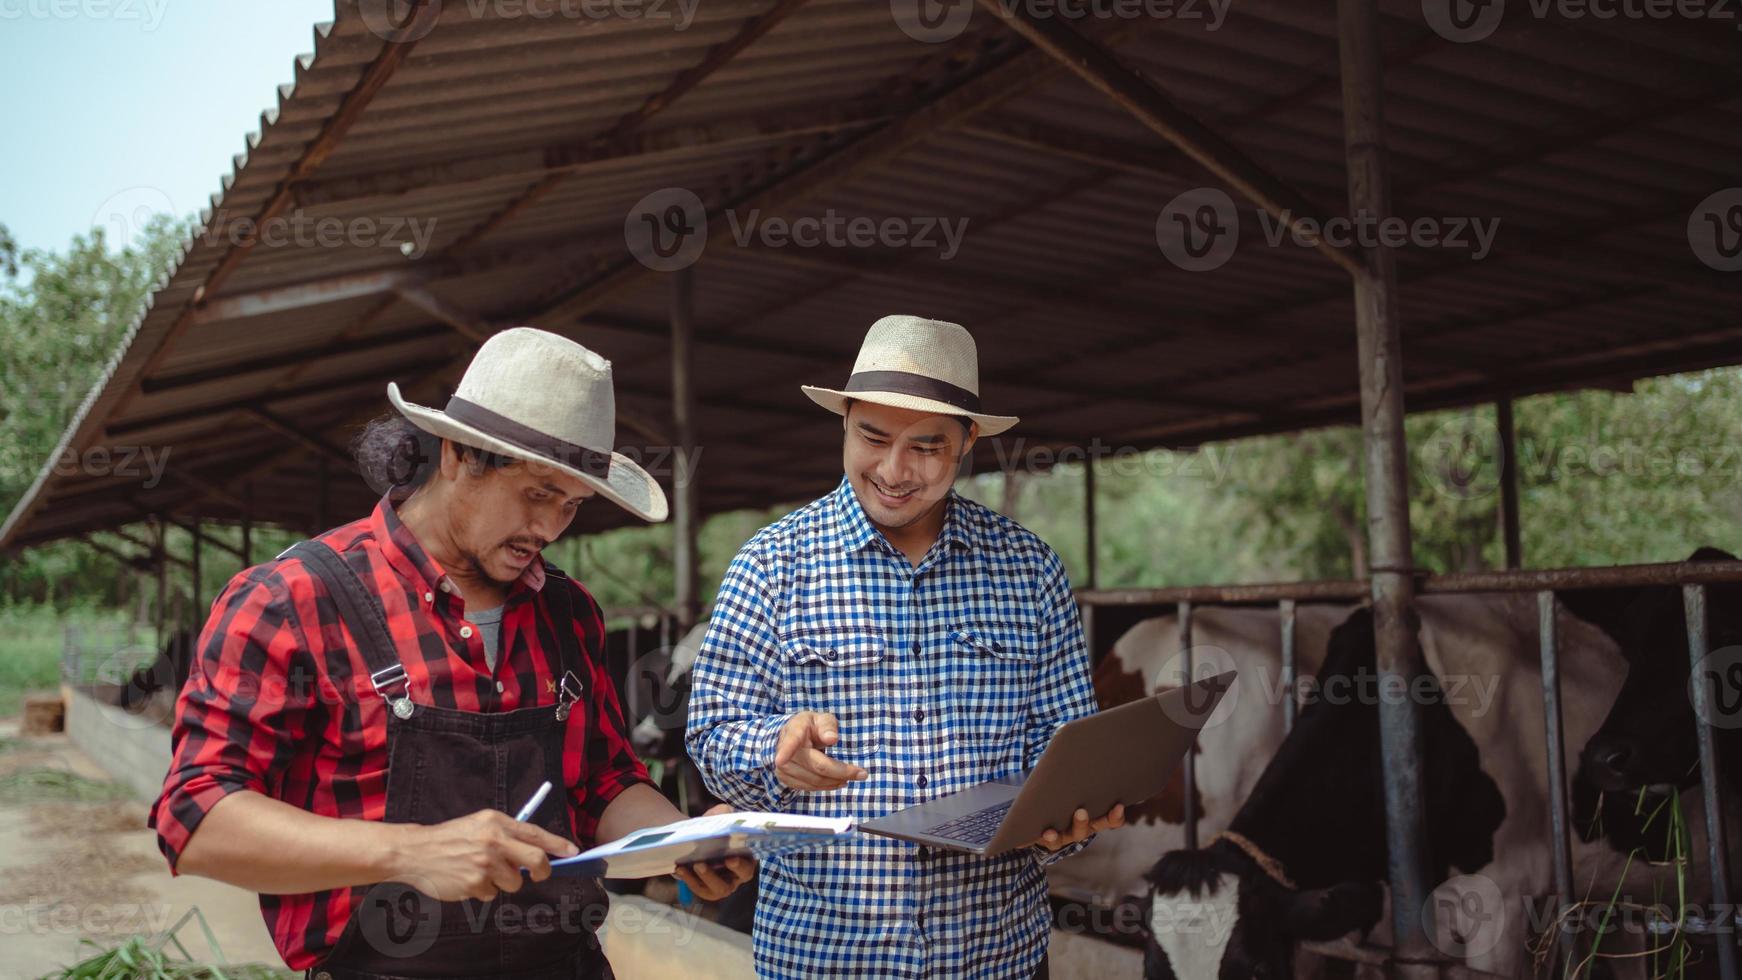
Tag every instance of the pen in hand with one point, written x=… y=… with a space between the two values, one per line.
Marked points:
x=531 y=806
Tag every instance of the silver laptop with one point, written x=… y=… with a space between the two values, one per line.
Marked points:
x=1121 y=755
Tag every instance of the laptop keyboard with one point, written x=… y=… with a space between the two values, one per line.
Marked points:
x=974 y=828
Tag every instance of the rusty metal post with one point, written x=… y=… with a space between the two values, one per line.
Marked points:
x=1509 y=483
x=1560 y=834
x=160 y=552
x=1387 y=488
x=199 y=540
x=685 y=511
x=1090 y=536
x=324 y=480
x=1188 y=769
x=1711 y=782
x=1290 y=706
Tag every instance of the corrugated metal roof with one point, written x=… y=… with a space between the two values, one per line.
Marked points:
x=512 y=148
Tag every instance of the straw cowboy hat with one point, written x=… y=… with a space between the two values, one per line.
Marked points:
x=919 y=364
x=534 y=396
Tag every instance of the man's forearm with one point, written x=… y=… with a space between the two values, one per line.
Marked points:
x=264 y=845
x=636 y=808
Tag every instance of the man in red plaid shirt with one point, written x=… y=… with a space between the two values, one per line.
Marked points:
x=367 y=709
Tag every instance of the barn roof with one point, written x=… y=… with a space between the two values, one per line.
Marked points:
x=523 y=144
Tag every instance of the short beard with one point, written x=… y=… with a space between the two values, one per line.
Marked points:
x=480 y=571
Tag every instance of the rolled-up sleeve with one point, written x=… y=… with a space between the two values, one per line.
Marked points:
x=734 y=713
x=242 y=711
x=1062 y=690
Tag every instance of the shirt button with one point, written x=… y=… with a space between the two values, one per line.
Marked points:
x=465 y=632
x=429 y=597
x=919 y=714
x=997 y=647
x=447 y=586
x=915 y=646
x=830 y=655
x=499 y=687
x=920 y=782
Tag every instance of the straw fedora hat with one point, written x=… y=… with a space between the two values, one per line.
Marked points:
x=914 y=363
x=535 y=396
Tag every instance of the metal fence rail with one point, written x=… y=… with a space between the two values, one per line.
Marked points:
x=1691 y=577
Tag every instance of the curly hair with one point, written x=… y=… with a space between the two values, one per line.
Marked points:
x=397 y=457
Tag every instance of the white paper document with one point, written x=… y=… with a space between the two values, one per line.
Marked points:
x=659 y=850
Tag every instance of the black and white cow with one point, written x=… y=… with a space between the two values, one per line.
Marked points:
x=1304 y=857
x=1648 y=739
x=1485 y=651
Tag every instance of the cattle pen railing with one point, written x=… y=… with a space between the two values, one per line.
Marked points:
x=1690 y=576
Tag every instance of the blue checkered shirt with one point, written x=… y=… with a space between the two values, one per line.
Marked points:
x=941 y=677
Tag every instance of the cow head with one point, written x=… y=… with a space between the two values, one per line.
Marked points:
x=1317 y=814
x=1648 y=739
x=1215 y=914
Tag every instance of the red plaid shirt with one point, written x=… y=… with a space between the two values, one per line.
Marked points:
x=279 y=702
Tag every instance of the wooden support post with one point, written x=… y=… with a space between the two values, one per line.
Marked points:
x=160 y=554
x=683 y=412
x=1090 y=538
x=1509 y=528
x=247 y=525
x=323 y=480
x=194 y=567
x=1387 y=486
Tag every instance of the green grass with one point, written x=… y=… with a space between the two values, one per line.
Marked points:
x=144 y=958
x=55 y=786
x=31 y=638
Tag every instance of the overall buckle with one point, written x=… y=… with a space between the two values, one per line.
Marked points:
x=386 y=679
x=568 y=692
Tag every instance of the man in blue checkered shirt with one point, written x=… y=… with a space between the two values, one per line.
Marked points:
x=885 y=645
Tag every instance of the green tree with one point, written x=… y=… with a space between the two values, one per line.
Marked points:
x=62 y=318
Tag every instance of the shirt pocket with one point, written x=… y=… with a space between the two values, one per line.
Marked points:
x=840 y=670
x=992 y=669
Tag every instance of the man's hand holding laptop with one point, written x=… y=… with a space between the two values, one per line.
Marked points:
x=1081 y=828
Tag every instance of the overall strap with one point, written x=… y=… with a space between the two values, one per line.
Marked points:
x=559 y=600
x=361 y=612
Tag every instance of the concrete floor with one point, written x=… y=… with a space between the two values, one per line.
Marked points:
x=72 y=871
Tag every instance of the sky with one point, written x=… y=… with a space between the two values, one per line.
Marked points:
x=112 y=109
